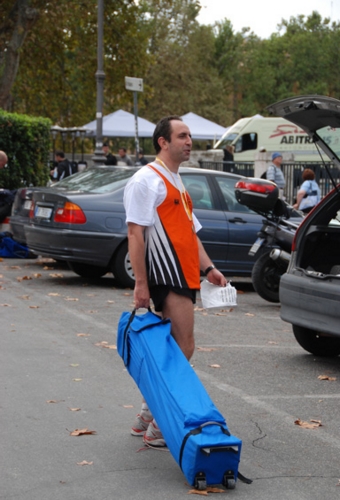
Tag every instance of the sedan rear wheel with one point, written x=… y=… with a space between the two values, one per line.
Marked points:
x=317 y=343
x=87 y=270
x=121 y=267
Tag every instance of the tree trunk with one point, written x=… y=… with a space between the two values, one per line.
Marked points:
x=13 y=32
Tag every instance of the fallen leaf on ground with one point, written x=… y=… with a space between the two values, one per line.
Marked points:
x=55 y=401
x=24 y=297
x=77 y=379
x=5 y=305
x=84 y=462
x=220 y=314
x=15 y=267
x=71 y=298
x=127 y=294
x=272 y=342
x=22 y=278
x=249 y=314
x=82 y=432
x=54 y=294
x=74 y=364
x=206 y=349
x=240 y=292
x=209 y=489
x=46 y=268
x=215 y=366
x=74 y=409
x=128 y=406
x=56 y=275
x=105 y=344
x=110 y=301
x=306 y=425
x=33 y=307
x=326 y=377
x=37 y=275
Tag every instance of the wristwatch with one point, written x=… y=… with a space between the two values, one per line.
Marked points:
x=208 y=269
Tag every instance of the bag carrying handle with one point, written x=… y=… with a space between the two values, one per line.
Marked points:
x=126 y=358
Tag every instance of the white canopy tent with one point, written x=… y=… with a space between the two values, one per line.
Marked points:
x=121 y=124
x=203 y=129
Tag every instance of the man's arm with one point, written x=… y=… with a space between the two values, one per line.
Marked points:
x=214 y=276
x=137 y=258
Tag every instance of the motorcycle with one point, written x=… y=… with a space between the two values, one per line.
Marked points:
x=275 y=238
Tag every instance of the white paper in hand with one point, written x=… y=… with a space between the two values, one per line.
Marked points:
x=217 y=296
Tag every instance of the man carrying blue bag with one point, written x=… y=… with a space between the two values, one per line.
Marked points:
x=165 y=252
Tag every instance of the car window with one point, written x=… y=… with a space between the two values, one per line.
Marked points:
x=199 y=190
x=96 y=180
x=227 y=187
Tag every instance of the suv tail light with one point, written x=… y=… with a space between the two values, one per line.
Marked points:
x=70 y=213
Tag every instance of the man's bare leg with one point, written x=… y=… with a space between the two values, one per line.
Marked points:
x=180 y=310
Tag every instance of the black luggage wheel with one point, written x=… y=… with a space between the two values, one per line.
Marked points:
x=229 y=480
x=200 y=481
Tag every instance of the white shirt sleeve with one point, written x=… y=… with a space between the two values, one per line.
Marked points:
x=143 y=194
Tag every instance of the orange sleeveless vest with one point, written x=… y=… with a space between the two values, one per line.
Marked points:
x=171 y=243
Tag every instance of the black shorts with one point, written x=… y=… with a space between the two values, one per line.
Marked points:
x=159 y=293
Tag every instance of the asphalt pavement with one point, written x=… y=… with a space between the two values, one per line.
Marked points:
x=60 y=373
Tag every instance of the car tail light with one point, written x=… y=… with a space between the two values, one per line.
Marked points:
x=256 y=187
x=70 y=213
x=31 y=214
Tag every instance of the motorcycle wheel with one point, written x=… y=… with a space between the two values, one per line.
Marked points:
x=316 y=343
x=266 y=275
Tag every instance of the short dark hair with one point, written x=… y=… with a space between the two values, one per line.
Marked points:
x=105 y=144
x=123 y=148
x=60 y=153
x=308 y=174
x=163 y=129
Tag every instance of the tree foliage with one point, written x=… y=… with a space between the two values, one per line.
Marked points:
x=26 y=141
x=210 y=70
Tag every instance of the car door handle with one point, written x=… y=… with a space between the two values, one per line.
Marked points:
x=238 y=220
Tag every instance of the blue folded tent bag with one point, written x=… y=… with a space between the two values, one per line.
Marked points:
x=193 y=428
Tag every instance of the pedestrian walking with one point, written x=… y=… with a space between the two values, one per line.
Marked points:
x=165 y=251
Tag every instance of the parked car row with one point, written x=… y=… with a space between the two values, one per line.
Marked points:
x=81 y=220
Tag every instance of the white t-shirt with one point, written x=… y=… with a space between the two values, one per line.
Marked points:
x=145 y=191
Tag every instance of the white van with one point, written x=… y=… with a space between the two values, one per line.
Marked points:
x=258 y=135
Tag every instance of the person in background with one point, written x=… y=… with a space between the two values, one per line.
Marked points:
x=228 y=159
x=3 y=159
x=110 y=158
x=141 y=158
x=309 y=193
x=165 y=252
x=124 y=159
x=275 y=174
x=63 y=168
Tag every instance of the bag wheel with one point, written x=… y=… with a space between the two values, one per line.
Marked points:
x=200 y=481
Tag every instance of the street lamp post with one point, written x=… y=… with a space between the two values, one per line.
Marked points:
x=99 y=156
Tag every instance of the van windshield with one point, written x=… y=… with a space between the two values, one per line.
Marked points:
x=226 y=140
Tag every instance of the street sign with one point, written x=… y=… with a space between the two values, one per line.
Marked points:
x=135 y=84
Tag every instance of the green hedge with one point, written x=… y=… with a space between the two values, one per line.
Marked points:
x=27 y=142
